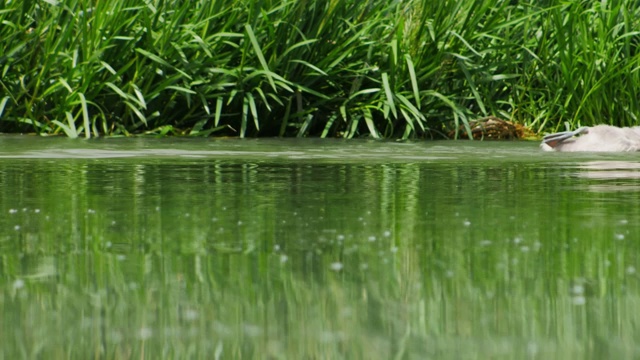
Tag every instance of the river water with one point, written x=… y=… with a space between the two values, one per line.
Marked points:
x=316 y=249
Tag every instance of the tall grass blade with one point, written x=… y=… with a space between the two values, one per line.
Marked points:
x=137 y=112
x=285 y=119
x=254 y=110
x=85 y=116
x=69 y=128
x=368 y=118
x=414 y=80
x=353 y=128
x=389 y=95
x=245 y=114
x=260 y=55
x=118 y=91
x=472 y=87
x=305 y=126
x=3 y=103
x=219 y=103
x=328 y=126
x=414 y=113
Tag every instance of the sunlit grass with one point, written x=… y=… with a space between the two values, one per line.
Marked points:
x=314 y=68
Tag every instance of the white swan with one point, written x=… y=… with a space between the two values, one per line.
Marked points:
x=600 y=138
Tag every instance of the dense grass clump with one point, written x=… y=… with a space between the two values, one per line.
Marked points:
x=314 y=68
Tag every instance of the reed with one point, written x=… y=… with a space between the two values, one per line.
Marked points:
x=398 y=69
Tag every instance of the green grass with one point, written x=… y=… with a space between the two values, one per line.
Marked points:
x=393 y=69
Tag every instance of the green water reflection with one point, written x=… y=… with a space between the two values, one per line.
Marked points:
x=298 y=250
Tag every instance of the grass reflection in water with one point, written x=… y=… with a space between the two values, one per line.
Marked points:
x=206 y=258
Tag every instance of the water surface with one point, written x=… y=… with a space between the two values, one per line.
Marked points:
x=316 y=249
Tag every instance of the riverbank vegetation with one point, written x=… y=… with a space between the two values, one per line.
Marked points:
x=395 y=69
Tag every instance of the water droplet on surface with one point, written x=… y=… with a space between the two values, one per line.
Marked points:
x=144 y=333
x=16 y=228
x=252 y=330
x=619 y=236
x=466 y=223
x=18 y=284
x=13 y=211
x=115 y=337
x=387 y=233
x=333 y=336
x=579 y=300
x=577 y=289
x=346 y=312
x=190 y=315
x=336 y=266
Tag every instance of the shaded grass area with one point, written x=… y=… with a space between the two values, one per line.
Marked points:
x=395 y=69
